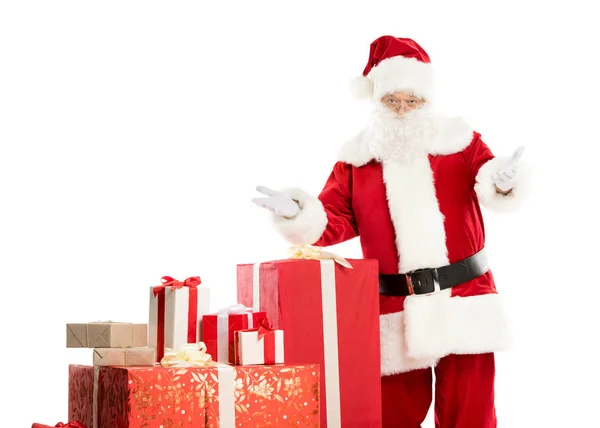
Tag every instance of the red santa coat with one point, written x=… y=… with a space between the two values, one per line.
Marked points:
x=423 y=214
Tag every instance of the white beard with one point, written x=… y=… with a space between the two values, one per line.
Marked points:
x=401 y=138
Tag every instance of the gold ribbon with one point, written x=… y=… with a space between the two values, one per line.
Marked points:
x=310 y=252
x=189 y=355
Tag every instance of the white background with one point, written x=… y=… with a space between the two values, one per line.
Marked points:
x=133 y=134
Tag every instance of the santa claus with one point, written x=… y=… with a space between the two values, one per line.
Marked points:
x=410 y=186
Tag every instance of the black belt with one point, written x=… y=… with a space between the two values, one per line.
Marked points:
x=423 y=281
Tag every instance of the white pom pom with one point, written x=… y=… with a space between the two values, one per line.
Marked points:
x=361 y=87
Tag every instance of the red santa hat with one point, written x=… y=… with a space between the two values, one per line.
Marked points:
x=395 y=64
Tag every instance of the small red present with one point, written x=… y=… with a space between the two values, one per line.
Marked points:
x=73 y=424
x=176 y=309
x=218 y=330
x=262 y=345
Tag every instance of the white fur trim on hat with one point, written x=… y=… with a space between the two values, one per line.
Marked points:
x=402 y=74
x=361 y=87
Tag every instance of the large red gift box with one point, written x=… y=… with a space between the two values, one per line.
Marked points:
x=194 y=397
x=218 y=330
x=330 y=316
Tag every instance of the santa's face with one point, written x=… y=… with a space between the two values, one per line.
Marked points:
x=401 y=102
x=400 y=130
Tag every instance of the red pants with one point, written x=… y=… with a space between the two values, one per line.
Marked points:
x=464 y=394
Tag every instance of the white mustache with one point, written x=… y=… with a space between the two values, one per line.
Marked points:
x=391 y=136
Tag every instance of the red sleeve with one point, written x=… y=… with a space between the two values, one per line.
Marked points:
x=336 y=198
x=476 y=155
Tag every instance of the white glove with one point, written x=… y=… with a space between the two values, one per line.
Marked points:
x=506 y=176
x=277 y=202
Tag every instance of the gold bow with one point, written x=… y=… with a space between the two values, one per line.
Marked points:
x=189 y=355
x=315 y=253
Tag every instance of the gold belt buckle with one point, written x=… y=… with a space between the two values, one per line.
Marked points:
x=409 y=284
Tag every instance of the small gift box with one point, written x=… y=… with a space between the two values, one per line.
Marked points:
x=73 y=424
x=124 y=356
x=218 y=330
x=176 y=309
x=262 y=345
x=107 y=334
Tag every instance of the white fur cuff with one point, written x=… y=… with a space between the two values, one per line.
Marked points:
x=486 y=190
x=310 y=223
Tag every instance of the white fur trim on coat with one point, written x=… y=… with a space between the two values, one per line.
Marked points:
x=394 y=355
x=438 y=325
x=453 y=135
x=486 y=190
x=310 y=223
x=402 y=74
x=415 y=214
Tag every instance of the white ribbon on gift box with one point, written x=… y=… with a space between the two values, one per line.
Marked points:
x=226 y=376
x=256 y=286
x=95 y=398
x=223 y=328
x=330 y=338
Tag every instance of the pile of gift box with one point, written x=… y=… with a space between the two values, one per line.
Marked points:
x=299 y=348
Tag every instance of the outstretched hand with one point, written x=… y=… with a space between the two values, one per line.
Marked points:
x=277 y=202
x=506 y=176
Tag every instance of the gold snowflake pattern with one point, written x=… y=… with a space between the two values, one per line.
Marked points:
x=272 y=396
x=293 y=387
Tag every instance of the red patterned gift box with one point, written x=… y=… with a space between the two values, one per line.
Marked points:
x=330 y=316
x=74 y=424
x=194 y=397
x=263 y=396
x=81 y=394
x=140 y=397
x=218 y=330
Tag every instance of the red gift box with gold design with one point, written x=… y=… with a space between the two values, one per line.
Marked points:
x=261 y=396
x=218 y=330
x=219 y=397
x=330 y=316
x=74 y=424
x=120 y=397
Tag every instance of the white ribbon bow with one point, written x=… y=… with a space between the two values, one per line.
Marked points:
x=188 y=355
x=238 y=308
